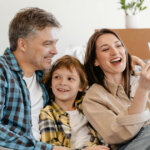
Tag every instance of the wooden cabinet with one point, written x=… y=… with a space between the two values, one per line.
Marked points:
x=136 y=41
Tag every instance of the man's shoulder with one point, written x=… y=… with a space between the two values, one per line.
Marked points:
x=2 y=59
x=3 y=62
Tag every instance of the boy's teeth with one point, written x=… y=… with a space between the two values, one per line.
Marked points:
x=62 y=90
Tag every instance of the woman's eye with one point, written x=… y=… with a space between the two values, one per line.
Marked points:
x=119 y=45
x=106 y=49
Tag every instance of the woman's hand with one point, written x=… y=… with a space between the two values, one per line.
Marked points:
x=142 y=92
x=136 y=61
x=144 y=81
x=98 y=147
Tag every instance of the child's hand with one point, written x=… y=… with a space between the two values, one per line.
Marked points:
x=97 y=147
x=60 y=148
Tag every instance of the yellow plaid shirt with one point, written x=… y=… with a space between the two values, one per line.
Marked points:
x=55 y=126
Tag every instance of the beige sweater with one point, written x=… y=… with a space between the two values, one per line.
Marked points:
x=107 y=111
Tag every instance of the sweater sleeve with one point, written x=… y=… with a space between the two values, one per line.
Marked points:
x=110 y=120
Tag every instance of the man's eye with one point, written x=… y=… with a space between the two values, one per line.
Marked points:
x=47 y=44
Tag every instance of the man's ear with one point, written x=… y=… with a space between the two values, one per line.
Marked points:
x=21 y=44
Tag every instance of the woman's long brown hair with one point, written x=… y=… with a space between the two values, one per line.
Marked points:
x=96 y=74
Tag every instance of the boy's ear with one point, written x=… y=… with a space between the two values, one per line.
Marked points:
x=80 y=89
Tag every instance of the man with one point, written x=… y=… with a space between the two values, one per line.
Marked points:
x=22 y=93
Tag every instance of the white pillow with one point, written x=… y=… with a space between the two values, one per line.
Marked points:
x=78 y=52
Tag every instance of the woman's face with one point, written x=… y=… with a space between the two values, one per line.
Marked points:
x=110 y=55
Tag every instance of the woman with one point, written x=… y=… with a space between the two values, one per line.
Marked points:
x=117 y=103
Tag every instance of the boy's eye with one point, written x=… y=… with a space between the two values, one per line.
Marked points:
x=57 y=77
x=70 y=78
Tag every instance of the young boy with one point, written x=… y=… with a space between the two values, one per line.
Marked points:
x=62 y=122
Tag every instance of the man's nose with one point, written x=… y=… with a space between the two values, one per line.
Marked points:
x=53 y=50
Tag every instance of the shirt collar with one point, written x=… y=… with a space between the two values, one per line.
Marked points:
x=60 y=111
x=39 y=76
x=11 y=60
x=112 y=87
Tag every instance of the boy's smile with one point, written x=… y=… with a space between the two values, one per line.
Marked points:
x=65 y=86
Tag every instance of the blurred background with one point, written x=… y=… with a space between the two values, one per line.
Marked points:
x=79 y=19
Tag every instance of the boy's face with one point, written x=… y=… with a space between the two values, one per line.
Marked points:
x=65 y=86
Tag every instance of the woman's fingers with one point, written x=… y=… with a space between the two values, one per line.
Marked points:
x=145 y=77
x=146 y=69
x=136 y=61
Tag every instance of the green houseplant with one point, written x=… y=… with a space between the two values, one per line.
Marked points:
x=132 y=7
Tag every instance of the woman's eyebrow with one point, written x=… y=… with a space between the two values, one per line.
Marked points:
x=103 y=45
x=117 y=41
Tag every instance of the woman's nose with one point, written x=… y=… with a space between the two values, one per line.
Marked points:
x=114 y=51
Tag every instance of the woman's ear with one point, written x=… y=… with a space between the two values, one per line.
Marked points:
x=96 y=63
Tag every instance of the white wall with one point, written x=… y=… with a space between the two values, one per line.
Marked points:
x=79 y=18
